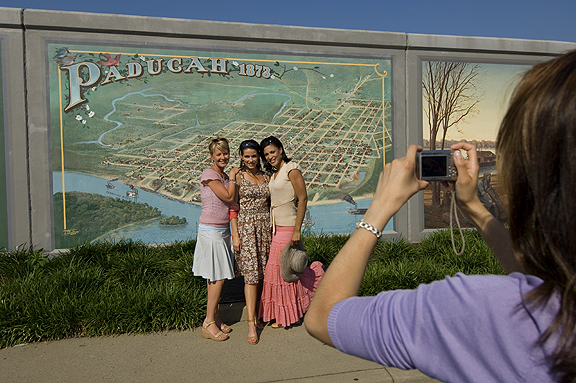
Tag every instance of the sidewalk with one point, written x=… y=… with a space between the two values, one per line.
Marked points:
x=281 y=356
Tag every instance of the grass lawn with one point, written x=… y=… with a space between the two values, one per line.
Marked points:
x=128 y=287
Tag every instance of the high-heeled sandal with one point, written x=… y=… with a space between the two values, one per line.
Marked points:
x=208 y=335
x=223 y=326
x=253 y=340
x=276 y=325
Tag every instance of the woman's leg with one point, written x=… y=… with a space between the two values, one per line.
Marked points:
x=214 y=291
x=251 y=296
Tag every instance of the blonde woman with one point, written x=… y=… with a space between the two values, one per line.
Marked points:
x=213 y=257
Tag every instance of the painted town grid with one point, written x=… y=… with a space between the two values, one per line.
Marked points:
x=130 y=129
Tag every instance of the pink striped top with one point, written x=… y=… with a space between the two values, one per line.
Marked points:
x=215 y=212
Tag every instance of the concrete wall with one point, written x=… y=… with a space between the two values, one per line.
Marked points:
x=26 y=34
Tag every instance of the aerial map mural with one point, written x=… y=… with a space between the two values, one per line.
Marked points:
x=465 y=101
x=130 y=129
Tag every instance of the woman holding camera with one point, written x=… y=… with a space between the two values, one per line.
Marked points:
x=285 y=302
x=482 y=328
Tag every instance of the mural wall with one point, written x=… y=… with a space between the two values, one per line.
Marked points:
x=3 y=182
x=104 y=133
x=465 y=101
x=130 y=127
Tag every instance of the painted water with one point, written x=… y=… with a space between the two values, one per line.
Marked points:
x=326 y=218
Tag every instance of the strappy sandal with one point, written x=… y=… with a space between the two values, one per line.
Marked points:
x=253 y=340
x=208 y=335
x=276 y=325
x=223 y=326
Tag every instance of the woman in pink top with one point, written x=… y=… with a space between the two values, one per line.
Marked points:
x=213 y=257
x=285 y=302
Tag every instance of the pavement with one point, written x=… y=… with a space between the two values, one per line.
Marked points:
x=282 y=355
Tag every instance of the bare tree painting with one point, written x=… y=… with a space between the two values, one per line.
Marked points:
x=450 y=91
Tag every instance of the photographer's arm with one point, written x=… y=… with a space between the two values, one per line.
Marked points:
x=397 y=183
x=492 y=231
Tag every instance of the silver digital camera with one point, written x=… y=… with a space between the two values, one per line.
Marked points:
x=436 y=165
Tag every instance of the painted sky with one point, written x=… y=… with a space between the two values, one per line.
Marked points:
x=495 y=86
x=527 y=19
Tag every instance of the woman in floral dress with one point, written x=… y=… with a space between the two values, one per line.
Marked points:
x=251 y=229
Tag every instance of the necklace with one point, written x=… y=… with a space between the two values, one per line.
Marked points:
x=254 y=176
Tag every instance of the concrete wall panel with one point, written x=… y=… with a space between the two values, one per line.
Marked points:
x=28 y=38
x=14 y=124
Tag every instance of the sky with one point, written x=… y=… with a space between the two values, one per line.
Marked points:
x=527 y=19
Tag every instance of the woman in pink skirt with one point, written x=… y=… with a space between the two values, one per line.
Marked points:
x=285 y=302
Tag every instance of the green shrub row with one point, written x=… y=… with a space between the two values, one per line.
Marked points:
x=128 y=287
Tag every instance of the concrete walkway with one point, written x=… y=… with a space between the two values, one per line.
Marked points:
x=281 y=356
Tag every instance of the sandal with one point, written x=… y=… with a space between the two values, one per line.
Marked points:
x=253 y=339
x=223 y=326
x=219 y=337
x=276 y=325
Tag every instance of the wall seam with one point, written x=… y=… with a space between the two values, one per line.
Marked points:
x=26 y=118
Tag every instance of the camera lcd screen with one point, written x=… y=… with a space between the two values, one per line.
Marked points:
x=434 y=166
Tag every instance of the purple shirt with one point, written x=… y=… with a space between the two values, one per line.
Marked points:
x=215 y=212
x=460 y=329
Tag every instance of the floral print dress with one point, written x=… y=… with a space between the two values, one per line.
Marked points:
x=253 y=229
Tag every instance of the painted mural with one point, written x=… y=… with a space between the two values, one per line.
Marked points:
x=465 y=101
x=130 y=129
x=3 y=188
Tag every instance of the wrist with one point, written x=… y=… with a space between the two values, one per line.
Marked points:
x=475 y=211
x=378 y=215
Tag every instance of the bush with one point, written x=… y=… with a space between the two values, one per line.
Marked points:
x=128 y=287
x=98 y=289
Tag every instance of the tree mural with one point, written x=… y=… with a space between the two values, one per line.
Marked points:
x=450 y=90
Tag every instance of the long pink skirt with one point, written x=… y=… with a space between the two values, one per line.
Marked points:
x=286 y=301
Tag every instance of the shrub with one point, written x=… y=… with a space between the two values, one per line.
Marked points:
x=128 y=287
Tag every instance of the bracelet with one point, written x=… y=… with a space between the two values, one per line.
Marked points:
x=368 y=227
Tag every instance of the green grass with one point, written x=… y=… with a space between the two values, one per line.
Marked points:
x=128 y=287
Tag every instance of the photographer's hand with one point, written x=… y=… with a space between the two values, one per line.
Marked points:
x=467 y=183
x=397 y=183
x=492 y=231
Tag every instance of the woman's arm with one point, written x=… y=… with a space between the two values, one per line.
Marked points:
x=397 y=183
x=299 y=186
x=233 y=217
x=492 y=231
x=225 y=194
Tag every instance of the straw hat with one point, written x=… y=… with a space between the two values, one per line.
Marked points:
x=293 y=261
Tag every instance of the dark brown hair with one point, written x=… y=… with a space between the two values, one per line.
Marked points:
x=276 y=142
x=249 y=144
x=536 y=154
